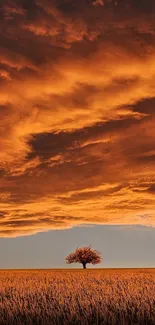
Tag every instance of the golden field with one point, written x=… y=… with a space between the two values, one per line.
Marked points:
x=88 y=297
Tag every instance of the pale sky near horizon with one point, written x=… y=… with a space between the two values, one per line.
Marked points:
x=121 y=246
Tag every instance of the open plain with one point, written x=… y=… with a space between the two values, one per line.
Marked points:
x=87 y=297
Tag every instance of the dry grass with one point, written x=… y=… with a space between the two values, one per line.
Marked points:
x=108 y=297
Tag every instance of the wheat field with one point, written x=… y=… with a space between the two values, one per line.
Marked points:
x=88 y=297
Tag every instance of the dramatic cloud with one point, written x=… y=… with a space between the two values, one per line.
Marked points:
x=76 y=114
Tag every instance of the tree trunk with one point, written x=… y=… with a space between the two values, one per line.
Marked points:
x=84 y=265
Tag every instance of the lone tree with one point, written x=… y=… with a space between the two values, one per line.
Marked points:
x=84 y=255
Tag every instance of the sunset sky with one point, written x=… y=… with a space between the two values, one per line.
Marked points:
x=77 y=127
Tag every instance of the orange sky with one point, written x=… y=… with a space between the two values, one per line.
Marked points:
x=77 y=117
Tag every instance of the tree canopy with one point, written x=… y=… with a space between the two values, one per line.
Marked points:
x=84 y=255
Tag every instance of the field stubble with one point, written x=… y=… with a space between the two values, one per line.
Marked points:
x=87 y=297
